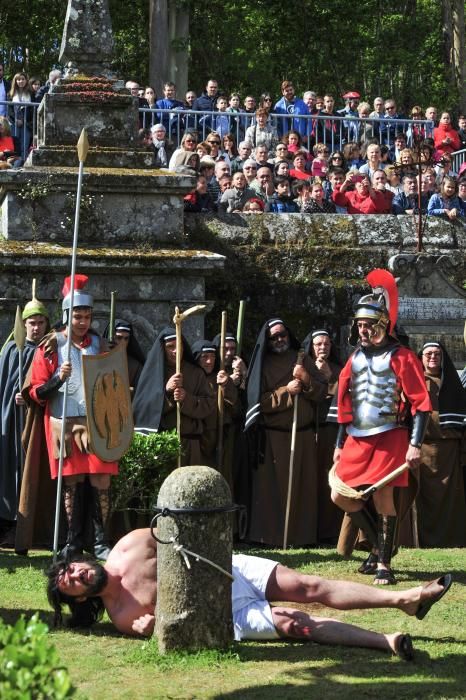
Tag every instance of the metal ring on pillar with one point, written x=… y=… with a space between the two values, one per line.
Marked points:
x=153 y=522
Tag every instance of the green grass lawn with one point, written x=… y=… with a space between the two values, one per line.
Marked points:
x=105 y=665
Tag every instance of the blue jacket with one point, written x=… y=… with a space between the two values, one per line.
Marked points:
x=437 y=205
x=295 y=107
x=169 y=121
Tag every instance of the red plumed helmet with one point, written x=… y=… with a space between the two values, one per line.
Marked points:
x=80 y=297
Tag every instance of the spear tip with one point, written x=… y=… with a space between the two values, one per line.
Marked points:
x=83 y=146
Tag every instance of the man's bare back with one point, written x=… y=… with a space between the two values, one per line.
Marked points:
x=131 y=593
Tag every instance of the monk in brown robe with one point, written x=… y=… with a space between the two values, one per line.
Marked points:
x=275 y=382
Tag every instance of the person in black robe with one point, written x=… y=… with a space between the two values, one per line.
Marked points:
x=159 y=389
x=36 y=322
x=123 y=332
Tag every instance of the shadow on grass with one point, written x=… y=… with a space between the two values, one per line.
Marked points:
x=346 y=672
x=11 y=561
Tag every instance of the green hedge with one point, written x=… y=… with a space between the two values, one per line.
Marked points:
x=29 y=665
x=149 y=460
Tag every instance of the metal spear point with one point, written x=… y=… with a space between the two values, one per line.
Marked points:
x=82 y=148
x=19 y=334
x=178 y=319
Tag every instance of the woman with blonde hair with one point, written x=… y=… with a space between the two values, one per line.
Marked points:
x=20 y=113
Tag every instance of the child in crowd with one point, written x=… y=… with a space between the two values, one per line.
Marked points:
x=221 y=119
x=281 y=202
x=203 y=149
x=301 y=193
x=393 y=179
x=447 y=201
x=199 y=200
x=234 y=199
x=254 y=206
x=462 y=194
x=319 y=165
x=462 y=130
x=317 y=204
x=352 y=155
x=336 y=179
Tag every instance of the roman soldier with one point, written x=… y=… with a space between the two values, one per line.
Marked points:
x=381 y=391
x=81 y=468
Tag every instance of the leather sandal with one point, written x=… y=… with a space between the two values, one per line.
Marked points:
x=385 y=575
x=369 y=565
x=404 y=647
x=427 y=600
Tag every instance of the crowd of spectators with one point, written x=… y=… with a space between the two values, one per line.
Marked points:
x=300 y=155
x=290 y=155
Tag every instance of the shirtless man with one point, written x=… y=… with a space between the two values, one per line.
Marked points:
x=126 y=588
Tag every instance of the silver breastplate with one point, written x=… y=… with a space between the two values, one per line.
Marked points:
x=75 y=400
x=375 y=393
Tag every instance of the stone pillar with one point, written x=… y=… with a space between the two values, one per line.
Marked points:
x=193 y=609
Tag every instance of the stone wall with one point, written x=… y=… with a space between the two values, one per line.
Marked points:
x=310 y=268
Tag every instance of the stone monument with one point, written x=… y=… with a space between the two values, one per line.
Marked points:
x=131 y=235
x=430 y=306
x=193 y=609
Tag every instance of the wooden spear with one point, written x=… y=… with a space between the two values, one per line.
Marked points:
x=239 y=328
x=111 y=331
x=220 y=395
x=178 y=319
x=19 y=335
x=294 y=427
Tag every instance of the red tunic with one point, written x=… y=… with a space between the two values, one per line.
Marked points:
x=365 y=460
x=42 y=369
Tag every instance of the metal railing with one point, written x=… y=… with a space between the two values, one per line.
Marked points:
x=457 y=160
x=333 y=131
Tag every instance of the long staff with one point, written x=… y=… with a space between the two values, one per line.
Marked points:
x=239 y=329
x=294 y=429
x=178 y=319
x=220 y=395
x=19 y=335
x=111 y=331
x=82 y=148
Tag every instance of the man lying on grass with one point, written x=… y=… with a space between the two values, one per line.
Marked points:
x=126 y=587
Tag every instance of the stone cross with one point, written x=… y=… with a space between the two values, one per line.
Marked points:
x=193 y=609
x=87 y=42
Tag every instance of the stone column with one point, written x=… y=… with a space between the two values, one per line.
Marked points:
x=193 y=609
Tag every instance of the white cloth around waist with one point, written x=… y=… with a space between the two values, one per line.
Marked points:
x=252 y=615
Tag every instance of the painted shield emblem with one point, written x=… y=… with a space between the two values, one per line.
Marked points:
x=108 y=402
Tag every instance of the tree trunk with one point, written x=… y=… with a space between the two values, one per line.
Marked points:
x=459 y=56
x=180 y=52
x=169 y=41
x=158 y=44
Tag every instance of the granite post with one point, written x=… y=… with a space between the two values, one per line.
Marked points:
x=193 y=609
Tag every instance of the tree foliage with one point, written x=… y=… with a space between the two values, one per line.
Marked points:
x=375 y=47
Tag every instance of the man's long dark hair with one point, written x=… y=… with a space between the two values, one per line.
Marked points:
x=83 y=613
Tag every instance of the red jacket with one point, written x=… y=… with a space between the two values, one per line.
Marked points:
x=361 y=204
x=441 y=132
